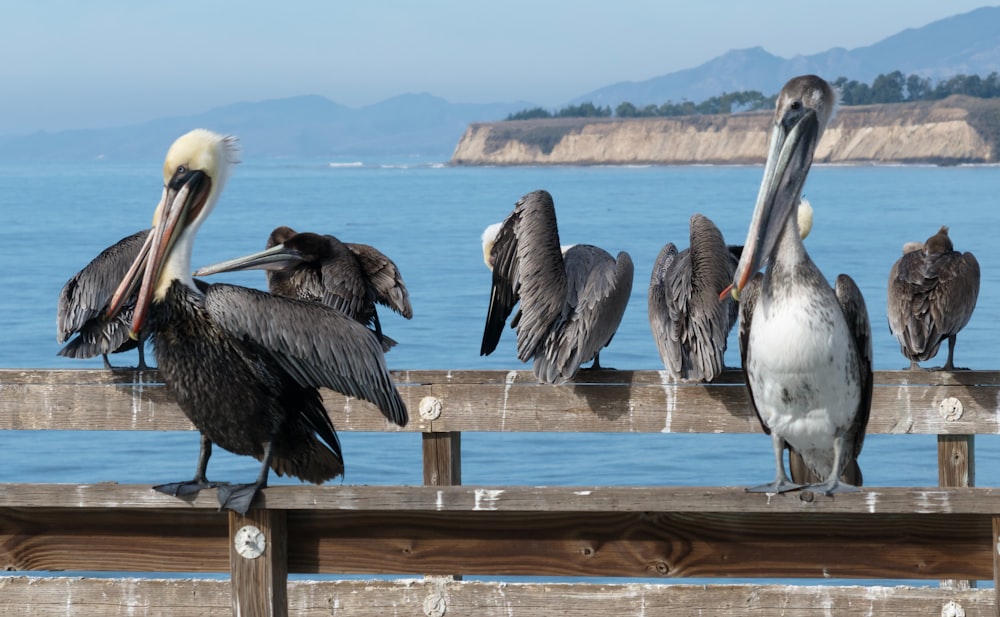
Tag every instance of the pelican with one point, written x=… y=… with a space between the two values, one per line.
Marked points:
x=572 y=298
x=805 y=348
x=690 y=324
x=932 y=293
x=245 y=366
x=350 y=277
x=83 y=304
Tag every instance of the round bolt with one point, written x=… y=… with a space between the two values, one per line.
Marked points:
x=249 y=542
x=952 y=609
x=951 y=409
x=430 y=408
x=435 y=605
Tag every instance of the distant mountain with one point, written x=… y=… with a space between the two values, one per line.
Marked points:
x=964 y=44
x=304 y=126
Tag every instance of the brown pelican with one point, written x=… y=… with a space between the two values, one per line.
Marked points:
x=689 y=322
x=572 y=299
x=351 y=278
x=806 y=348
x=932 y=293
x=245 y=366
x=83 y=304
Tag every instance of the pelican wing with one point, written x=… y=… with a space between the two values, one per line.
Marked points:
x=318 y=345
x=541 y=281
x=852 y=303
x=909 y=307
x=668 y=290
x=748 y=300
x=384 y=277
x=598 y=291
x=85 y=296
x=954 y=298
x=503 y=291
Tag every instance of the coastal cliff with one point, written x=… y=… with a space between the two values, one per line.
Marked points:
x=955 y=130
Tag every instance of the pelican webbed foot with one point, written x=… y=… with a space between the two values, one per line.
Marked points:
x=832 y=487
x=239 y=497
x=778 y=486
x=191 y=487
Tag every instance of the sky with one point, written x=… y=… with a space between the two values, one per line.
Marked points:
x=101 y=63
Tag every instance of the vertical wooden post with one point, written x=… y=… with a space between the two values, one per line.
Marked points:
x=996 y=563
x=442 y=459
x=258 y=563
x=957 y=468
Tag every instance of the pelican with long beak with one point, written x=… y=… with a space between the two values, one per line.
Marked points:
x=245 y=366
x=805 y=347
x=572 y=298
x=350 y=277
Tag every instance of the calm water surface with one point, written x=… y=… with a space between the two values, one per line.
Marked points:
x=54 y=218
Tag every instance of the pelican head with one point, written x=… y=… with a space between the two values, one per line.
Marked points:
x=802 y=111
x=194 y=174
x=489 y=239
x=285 y=250
x=805 y=218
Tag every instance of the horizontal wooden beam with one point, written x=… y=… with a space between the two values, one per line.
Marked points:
x=47 y=597
x=547 y=531
x=904 y=402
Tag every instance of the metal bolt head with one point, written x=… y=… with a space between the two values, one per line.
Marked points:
x=951 y=409
x=430 y=408
x=249 y=542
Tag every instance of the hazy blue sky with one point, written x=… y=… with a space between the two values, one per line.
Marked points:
x=73 y=64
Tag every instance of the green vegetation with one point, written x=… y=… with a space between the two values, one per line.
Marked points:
x=890 y=88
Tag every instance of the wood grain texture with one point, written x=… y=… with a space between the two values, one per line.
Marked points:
x=904 y=402
x=48 y=597
x=260 y=582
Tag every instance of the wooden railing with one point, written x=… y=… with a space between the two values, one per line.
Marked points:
x=429 y=536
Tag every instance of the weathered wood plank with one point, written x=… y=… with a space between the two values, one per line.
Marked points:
x=48 y=597
x=639 y=401
x=907 y=501
x=957 y=467
x=633 y=532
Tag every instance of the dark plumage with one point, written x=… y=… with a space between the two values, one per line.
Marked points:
x=932 y=293
x=571 y=301
x=351 y=278
x=690 y=323
x=83 y=304
x=245 y=366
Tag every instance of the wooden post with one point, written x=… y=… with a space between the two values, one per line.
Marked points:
x=442 y=459
x=996 y=562
x=258 y=563
x=957 y=468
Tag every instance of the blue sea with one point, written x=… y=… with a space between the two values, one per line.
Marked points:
x=428 y=217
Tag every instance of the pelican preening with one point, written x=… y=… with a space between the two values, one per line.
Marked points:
x=84 y=300
x=806 y=348
x=932 y=292
x=351 y=278
x=690 y=323
x=244 y=365
x=571 y=299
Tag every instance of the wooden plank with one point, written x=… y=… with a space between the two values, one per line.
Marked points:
x=640 y=401
x=956 y=467
x=258 y=558
x=640 y=532
x=18 y=499
x=89 y=597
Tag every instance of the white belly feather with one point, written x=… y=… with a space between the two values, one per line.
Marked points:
x=803 y=370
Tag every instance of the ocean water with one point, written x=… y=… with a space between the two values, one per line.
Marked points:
x=428 y=218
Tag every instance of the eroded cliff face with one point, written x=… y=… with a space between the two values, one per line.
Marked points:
x=955 y=130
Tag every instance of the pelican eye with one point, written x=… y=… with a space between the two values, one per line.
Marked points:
x=796 y=105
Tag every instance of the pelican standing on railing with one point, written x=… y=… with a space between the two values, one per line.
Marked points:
x=84 y=300
x=932 y=293
x=245 y=366
x=572 y=299
x=806 y=348
x=350 y=277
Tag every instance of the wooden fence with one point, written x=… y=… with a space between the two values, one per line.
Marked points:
x=431 y=535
